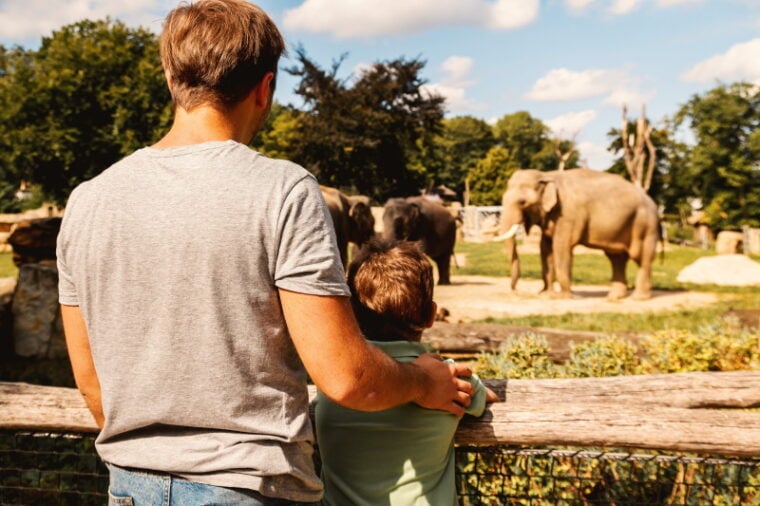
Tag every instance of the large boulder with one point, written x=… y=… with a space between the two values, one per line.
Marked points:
x=727 y=270
x=34 y=241
x=37 y=326
x=729 y=242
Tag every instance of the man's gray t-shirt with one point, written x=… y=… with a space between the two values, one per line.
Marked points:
x=175 y=258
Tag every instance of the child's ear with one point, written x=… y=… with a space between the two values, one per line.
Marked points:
x=433 y=313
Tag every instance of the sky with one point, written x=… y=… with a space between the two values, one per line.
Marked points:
x=570 y=63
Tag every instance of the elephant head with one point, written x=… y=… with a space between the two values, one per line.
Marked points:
x=401 y=220
x=530 y=196
x=361 y=223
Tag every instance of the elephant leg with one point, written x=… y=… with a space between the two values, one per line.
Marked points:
x=547 y=264
x=643 y=288
x=444 y=263
x=563 y=264
x=619 y=288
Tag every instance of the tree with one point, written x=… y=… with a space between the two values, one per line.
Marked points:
x=463 y=141
x=725 y=160
x=372 y=136
x=280 y=134
x=91 y=94
x=488 y=179
x=523 y=136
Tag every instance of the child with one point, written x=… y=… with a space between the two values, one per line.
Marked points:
x=405 y=455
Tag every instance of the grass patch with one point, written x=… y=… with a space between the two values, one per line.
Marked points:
x=7 y=267
x=489 y=259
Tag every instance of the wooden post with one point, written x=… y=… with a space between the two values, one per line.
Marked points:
x=687 y=412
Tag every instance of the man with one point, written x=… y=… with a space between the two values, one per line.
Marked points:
x=198 y=278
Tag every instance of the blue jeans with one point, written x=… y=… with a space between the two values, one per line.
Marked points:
x=143 y=488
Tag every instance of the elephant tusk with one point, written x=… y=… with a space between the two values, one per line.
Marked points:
x=508 y=234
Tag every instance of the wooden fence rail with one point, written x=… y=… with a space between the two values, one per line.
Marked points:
x=707 y=413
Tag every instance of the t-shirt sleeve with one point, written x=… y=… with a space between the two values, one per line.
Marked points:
x=67 y=290
x=307 y=259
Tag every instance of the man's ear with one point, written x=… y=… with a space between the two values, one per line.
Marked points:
x=433 y=312
x=263 y=91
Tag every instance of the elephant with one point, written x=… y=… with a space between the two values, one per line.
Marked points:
x=430 y=223
x=581 y=206
x=351 y=217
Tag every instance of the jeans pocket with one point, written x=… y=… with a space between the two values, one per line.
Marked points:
x=114 y=500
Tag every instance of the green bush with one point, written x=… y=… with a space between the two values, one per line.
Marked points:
x=608 y=356
x=521 y=356
x=723 y=347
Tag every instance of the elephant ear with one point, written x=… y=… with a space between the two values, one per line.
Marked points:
x=362 y=221
x=549 y=197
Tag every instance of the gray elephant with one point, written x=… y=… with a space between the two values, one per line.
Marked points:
x=582 y=206
x=352 y=219
x=430 y=223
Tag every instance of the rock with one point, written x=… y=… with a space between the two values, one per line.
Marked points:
x=34 y=240
x=727 y=270
x=729 y=242
x=37 y=326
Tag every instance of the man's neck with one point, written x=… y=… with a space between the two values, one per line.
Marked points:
x=205 y=124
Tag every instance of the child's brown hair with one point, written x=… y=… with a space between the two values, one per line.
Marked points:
x=391 y=284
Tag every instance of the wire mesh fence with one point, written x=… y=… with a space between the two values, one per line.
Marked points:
x=63 y=469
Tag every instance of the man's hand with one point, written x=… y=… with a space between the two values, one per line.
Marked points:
x=444 y=390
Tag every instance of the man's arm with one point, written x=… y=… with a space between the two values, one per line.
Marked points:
x=78 y=344
x=357 y=375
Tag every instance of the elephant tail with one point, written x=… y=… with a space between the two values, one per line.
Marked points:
x=661 y=237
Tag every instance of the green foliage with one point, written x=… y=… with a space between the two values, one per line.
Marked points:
x=280 y=135
x=462 y=143
x=7 y=268
x=92 y=93
x=373 y=135
x=521 y=356
x=608 y=356
x=523 y=136
x=724 y=347
x=723 y=164
x=488 y=179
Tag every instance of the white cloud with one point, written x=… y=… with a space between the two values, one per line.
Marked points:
x=578 y=5
x=569 y=125
x=740 y=62
x=629 y=97
x=563 y=84
x=458 y=69
x=28 y=19
x=350 y=18
x=669 y=3
x=624 y=6
x=453 y=86
x=595 y=156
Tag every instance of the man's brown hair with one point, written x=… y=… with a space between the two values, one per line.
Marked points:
x=217 y=51
x=391 y=284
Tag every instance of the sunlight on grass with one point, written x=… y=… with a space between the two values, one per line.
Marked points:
x=7 y=267
x=489 y=259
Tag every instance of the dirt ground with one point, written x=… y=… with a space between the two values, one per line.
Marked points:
x=470 y=298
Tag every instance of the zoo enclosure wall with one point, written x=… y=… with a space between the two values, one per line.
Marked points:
x=685 y=438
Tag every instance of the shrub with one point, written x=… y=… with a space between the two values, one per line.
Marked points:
x=608 y=356
x=521 y=356
x=726 y=346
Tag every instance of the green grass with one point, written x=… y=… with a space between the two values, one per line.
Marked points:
x=489 y=259
x=7 y=267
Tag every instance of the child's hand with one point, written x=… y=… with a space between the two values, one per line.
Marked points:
x=491 y=396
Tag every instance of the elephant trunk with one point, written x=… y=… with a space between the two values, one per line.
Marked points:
x=510 y=222
x=514 y=261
